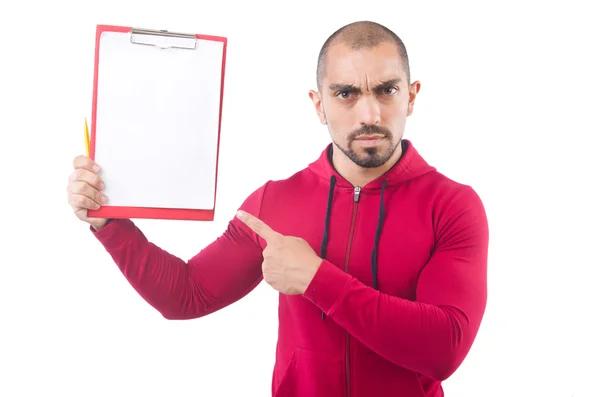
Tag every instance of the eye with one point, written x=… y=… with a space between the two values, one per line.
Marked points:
x=344 y=94
x=389 y=90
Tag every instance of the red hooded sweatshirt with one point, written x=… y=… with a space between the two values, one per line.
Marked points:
x=396 y=303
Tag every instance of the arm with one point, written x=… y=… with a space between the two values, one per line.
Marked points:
x=220 y=274
x=433 y=334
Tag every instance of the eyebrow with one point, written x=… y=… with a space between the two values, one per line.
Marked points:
x=355 y=89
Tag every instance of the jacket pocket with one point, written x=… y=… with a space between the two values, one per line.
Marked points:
x=312 y=374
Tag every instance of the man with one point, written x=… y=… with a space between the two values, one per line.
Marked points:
x=381 y=260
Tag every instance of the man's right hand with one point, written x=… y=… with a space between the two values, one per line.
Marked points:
x=85 y=190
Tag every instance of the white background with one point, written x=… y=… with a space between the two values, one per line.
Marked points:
x=509 y=104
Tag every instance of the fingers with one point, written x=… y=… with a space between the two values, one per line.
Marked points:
x=85 y=185
x=89 y=177
x=80 y=188
x=84 y=162
x=80 y=201
x=258 y=226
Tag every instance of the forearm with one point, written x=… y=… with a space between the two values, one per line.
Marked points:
x=159 y=277
x=174 y=287
x=421 y=337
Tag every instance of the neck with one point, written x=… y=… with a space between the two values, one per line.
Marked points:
x=360 y=176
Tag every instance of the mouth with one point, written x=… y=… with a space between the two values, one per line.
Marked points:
x=369 y=137
x=368 y=141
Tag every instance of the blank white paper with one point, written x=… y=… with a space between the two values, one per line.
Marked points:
x=157 y=122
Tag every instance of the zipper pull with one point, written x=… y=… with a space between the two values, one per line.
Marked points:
x=356 y=194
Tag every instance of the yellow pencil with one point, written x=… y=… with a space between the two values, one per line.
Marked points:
x=87 y=139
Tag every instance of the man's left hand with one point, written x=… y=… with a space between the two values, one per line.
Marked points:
x=289 y=263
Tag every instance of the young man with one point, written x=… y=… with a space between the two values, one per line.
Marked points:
x=381 y=260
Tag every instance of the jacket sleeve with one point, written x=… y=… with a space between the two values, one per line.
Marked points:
x=433 y=334
x=220 y=274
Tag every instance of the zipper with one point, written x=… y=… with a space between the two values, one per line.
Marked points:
x=356 y=194
x=357 y=191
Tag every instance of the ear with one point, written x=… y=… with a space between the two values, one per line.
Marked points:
x=413 y=90
x=315 y=97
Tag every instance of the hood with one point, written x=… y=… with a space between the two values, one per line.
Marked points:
x=410 y=165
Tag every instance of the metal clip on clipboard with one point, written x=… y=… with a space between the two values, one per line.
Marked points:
x=163 y=39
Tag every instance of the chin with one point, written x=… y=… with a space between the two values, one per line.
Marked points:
x=371 y=157
x=371 y=154
x=372 y=148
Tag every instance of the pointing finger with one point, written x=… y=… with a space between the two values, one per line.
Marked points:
x=258 y=226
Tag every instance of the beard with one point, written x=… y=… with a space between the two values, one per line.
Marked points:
x=370 y=157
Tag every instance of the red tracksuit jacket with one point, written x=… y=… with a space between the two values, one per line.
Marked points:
x=394 y=307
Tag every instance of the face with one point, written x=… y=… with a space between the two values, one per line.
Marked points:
x=364 y=99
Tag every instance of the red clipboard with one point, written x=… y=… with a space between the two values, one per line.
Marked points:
x=177 y=44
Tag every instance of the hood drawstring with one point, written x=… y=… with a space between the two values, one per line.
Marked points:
x=327 y=217
x=326 y=229
x=324 y=241
x=377 y=235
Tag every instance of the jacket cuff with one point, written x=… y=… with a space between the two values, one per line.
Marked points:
x=116 y=234
x=327 y=287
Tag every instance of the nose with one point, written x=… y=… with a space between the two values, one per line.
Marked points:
x=368 y=110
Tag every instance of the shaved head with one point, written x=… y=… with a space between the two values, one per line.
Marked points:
x=358 y=35
x=364 y=96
